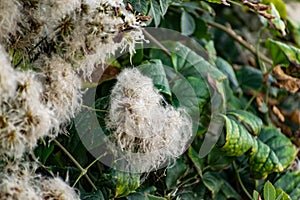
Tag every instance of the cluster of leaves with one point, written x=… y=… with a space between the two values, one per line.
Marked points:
x=255 y=152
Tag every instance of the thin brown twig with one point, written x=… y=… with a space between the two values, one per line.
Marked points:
x=157 y=42
x=240 y=40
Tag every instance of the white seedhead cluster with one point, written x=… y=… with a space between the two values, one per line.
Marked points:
x=34 y=187
x=147 y=130
x=46 y=48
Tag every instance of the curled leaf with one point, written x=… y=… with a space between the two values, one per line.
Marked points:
x=285 y=81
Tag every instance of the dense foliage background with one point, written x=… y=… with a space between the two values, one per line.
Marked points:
x=253 y=51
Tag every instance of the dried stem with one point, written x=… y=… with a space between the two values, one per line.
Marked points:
x=240 y=40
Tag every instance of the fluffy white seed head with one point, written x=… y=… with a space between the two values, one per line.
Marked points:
x=51 y=12
x=147 y=132
x=8 y=81
x=55 y=188
x=10 y=16
x=14 y=187
x=101 y=33
x=23 y=118
x=62 y=86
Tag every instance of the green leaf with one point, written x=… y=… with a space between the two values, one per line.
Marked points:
x=164 y=4
x=263 y=160
x=250 y=77
x=93 y=196
x=213 y=182
x=280 y=144
x=256 y=195
x=216 y=162
x=155 y=70
x=280 y=7
x=283 y=54
x=229 y=192
x=198 y=163
x=152 y=197
x=293 y=186
x=174 y=173
x=187 y=24
x=269 y=191
x=227 y=69
x=155 y=12
x=137 y=196
x=278 y=23
x=281 y=195
x=237 y=139
x=252 y=123
x=188 y=63
x=270 y=152
x=126 y=183
x=187 y=97
x=201 y=90
x=215 y=1
x=43 y=152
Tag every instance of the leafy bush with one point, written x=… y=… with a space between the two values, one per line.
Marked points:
x=149 y=100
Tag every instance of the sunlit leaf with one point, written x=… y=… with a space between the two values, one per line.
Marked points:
x=126 y=183
x=269 y=191
x=282 y=53
x=290 y=183
x=251 y=122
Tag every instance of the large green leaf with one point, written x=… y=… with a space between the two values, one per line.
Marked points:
x=155 y=70
x=155 y=12
x=263 y=160
x=187 y=24
x=188 y=63
x=282 y=53
x=290 y=183
x=252 y=123
x=270 y=152
x=126 y=183
x=237 y=139
x=280 y=144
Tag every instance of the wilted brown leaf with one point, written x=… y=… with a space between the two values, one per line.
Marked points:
x=285 y=81
x=278 y=113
